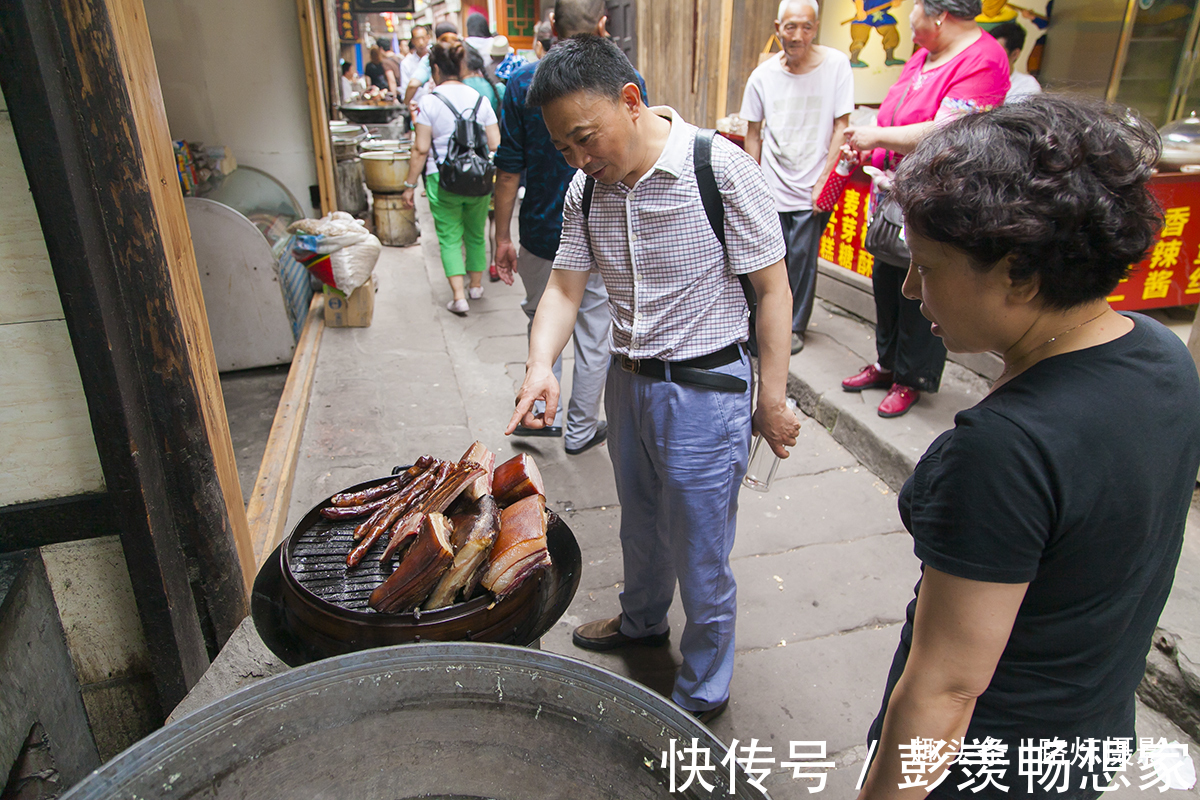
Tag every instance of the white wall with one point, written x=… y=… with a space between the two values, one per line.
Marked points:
x=232 y=73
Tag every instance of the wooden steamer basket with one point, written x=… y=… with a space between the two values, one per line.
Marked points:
x=310 y=605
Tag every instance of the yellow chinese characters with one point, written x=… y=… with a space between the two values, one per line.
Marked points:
x=1165 y=256
x=1174 y=220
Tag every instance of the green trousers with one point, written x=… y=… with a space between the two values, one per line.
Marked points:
x=458 y=221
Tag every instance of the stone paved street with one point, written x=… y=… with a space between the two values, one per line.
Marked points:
x=824 y=567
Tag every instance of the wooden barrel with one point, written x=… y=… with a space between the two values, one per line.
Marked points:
x=351 y=196
x=395 y=224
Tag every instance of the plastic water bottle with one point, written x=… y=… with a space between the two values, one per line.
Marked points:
x=763 y=461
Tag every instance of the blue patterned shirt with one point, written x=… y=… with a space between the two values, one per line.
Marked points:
x=525 y=146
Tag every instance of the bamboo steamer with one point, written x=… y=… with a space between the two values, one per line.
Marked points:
x=386 y=171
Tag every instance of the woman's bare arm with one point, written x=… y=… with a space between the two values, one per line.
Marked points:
x=960 y=630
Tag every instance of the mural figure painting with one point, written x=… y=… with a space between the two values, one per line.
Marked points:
x=874 y=14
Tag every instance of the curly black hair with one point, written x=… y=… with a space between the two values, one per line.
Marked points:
x=1058 y=183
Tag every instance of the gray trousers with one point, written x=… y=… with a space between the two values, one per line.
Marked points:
x=591 y=346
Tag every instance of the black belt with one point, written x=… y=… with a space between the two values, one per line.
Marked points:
x=693 y=371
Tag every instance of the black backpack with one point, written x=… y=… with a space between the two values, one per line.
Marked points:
x=467 y=170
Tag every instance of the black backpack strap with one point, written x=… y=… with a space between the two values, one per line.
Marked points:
x=449 y=105
x=710 y=196
x=589 y=186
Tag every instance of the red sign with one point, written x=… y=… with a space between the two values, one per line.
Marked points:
x=842 y=241
x=1169 y=276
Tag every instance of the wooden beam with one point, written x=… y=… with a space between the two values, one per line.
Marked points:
x=272 y=493
x=64 y=519
x=115 y=252
x=723 y=45
x=314 y=74
x=150 y=117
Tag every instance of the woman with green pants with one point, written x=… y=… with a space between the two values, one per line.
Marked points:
x=460 y=222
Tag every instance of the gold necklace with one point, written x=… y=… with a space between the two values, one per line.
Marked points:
x=1047 y=343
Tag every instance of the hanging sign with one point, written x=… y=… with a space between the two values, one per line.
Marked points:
x=380 y=6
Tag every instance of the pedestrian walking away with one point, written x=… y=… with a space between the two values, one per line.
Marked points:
x=797 y=106
x=525 y=146
x=460 y=221
x=678 y=393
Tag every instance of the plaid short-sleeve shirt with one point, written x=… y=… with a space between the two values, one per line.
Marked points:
x=674 y=294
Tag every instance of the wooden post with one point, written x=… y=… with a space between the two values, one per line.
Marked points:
x=150 y=116
x=723 y=44
x=314 y=73
x=81 y=85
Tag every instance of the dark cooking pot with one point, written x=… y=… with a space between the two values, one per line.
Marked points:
x=371 y=115
x=455 y=720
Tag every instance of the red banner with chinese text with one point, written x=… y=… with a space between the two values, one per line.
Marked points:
x=842 y=241
x=1169 y=276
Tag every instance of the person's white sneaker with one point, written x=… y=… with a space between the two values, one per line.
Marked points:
x=459 y=307
x=474 y=292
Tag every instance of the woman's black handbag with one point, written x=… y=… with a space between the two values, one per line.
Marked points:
x=885 y=233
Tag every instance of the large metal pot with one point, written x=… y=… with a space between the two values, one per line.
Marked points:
x=368 y=115
x=1180 y=143
x=386 y=171
x=432 y=721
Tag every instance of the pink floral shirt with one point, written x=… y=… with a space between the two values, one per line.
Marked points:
x=974 y=80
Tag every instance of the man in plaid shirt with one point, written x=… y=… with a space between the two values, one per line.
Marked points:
x=678 y=393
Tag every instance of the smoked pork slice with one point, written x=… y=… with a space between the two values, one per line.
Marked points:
x=516 y=479
x=420 y=569
x=401 y=503
x=473 y=539
x=459 y=477
x=477 y=453
x=520 y=548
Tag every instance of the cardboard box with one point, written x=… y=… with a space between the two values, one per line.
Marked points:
x=354 y=311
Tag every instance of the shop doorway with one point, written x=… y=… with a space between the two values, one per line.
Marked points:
x=622 y=26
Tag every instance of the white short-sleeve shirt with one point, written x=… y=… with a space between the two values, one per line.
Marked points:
x=433 y=112
x=797 y=113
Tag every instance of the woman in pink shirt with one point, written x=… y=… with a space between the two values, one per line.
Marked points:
x=959 y=69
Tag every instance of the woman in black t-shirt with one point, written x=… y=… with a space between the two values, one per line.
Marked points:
x=1049 y=520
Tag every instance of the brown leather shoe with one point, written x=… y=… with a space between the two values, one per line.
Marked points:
x=708 y=715
x=605 y=634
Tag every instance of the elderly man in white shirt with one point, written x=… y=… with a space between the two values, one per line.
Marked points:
x=678 y=391
x=797 y=105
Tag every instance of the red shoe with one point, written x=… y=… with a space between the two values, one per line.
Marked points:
x=493 y=274
x=871 y=377
x=899 y=400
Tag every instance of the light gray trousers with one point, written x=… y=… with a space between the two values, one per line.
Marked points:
x=591 y=346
